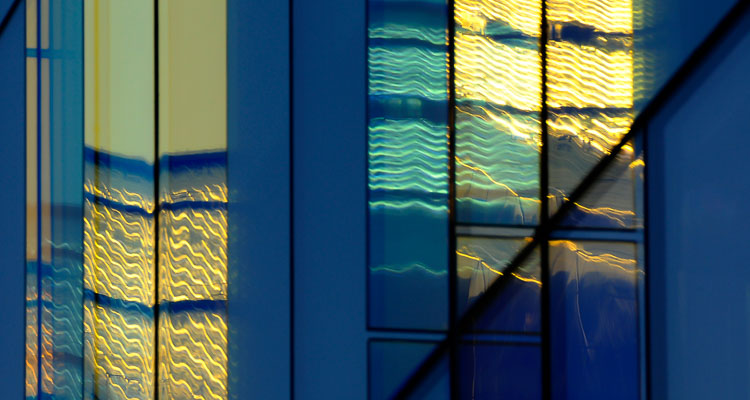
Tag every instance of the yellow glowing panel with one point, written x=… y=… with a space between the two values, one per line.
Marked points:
x=193 y=259
x=497 y=73
x=119 y=352
x=522 y=15
x=585 y=76
x=118 y=254
x=614 y=16
x=195 y=344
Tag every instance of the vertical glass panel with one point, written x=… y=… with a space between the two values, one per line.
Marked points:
x=480 y=261
x=490 y=370
x=408 y=164
x=590 y=100
x=594 y=326
x=192 y=223
x=119 y=248
x=54 y=347
x=498 y=99
x=391 y=362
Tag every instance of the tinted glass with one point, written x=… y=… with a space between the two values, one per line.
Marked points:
x=408 y=164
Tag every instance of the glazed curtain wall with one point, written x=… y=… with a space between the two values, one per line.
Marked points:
x=127 y=200
x=483 y=116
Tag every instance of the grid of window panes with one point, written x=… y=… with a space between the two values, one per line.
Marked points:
x=494 y=61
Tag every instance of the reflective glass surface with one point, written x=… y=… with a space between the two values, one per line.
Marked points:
x=590 y=99
x=498 y=100
x=54 y=209
x=481 y=261
x=408 y=164
x=494 y=370
x=594 y=323
x=127 y=218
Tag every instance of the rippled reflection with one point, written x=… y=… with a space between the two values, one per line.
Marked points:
x=193 y=278
x=408 y=163
x=591 y=94
x=498 y=95
x=119 y=281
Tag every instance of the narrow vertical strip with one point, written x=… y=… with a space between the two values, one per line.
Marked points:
x=452 y=272
x=38 y=205
x=291 y=199
x=544 y=197
x=157 y=207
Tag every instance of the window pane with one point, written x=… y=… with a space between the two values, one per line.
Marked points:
x=594 y=327
x=408 y=164
x=480 y=261
x=490 y=370
x=498 y=99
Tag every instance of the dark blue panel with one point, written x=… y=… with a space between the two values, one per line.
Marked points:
x=407 y=164
x=489 y=371
x=258 y=181
x=12 y=199
x=480 y=261
x=390 y=364
x=698 y=213
x=329 y=134
x=594 y=320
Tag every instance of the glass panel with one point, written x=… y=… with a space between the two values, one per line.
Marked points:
x=594 y=326
x=408 y=164
x=391 y=362
x=480 y=261
x=54 y=347
x=489 y=370
x=119 y=248
x=590 y=100
x=192 y=227
x=498 y=99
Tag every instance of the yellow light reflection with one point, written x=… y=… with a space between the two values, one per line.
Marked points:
x=612 y=16
x=521 y=15
x=497 y=73
x=586 y=76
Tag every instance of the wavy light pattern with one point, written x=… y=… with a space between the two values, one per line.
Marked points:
x=408 y=71
x=501 y=73
x=497 y=172
x=586 y=76
x=193 y=283
x=395 y=30
x=119 y=277
x=408 y=154
x=479 y=15
x=611 y=16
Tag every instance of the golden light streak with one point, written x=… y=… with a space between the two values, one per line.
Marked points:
x=497 y=73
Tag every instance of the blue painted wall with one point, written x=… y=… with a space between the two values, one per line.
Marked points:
x=330 y=346
x=12 y=199
x=698 y=231
x=258 y=178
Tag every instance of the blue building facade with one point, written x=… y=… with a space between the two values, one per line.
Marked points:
x=470 y=199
